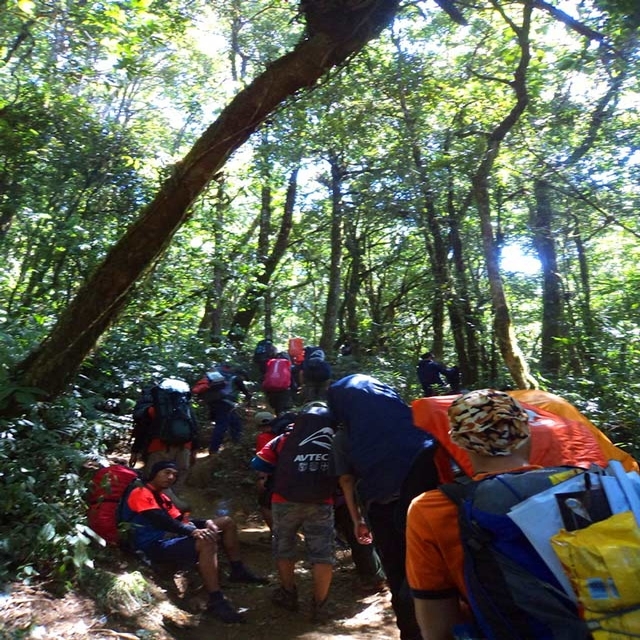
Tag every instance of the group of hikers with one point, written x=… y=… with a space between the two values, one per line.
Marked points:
x=398 y=482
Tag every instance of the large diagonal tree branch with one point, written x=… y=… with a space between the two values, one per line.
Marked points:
x=336 y=31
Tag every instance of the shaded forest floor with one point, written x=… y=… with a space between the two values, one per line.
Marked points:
x=140 y=603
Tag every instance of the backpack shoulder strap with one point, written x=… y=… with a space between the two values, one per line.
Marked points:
x=457 y=491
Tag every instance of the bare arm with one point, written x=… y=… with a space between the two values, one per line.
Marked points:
x=360 y=528
x=436 y=618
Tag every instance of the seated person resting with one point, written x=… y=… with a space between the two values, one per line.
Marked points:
x=166 y=535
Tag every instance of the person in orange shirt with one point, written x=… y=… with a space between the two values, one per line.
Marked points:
x=168 y=402
x=492 y=428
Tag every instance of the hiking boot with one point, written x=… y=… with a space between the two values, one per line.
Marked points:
x=242 y=574
x=223 y=610
x=286 y=599
x=320 y=611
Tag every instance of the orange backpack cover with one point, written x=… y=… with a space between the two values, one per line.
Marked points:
x=566 y=438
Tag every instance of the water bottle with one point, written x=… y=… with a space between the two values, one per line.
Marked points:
x=224 y=508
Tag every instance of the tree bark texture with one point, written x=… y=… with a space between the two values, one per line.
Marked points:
x=330 y=318
x=260 y=291
x=503 y=326
x=552 y=300
x=335 y=32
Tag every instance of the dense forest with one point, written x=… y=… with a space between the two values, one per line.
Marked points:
x=181 y=178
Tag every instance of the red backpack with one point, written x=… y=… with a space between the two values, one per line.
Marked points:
x=106 y=488
x=277 y=376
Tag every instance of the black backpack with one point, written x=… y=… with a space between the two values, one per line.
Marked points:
x=265 y=350
x=314 y=367
x=512 y=593
x=142 y=422
x=303 y=471
x=316 y=370
x=174 y=422
x=217 y=389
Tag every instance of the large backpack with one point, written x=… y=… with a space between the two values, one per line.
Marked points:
x=311 y=351
x=173 y=422
x=303 y=469
x=213 y=387
x=277 y=375
x=316 y=369
x=296 y=350
x=511 y=591
x=264 y=351
x=107 y=489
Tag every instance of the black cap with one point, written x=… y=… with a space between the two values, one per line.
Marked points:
x=159 y=466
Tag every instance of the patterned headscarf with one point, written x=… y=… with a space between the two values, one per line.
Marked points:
x=488 y=422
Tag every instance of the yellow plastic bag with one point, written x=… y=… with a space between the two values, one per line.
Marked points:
x=603 y=564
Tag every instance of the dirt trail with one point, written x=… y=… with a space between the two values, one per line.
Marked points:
x=356 y=615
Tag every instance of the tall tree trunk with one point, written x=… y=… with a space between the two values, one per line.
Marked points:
x=331 y=40
x=211 y=322
x=353 y=279
x=435 y=244
x=552 y=300
x=260 y=291
x=584 y=355
x=503 y=325
x=330 y=319
x=464 y=321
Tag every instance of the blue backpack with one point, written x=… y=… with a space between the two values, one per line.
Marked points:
x=511 y=591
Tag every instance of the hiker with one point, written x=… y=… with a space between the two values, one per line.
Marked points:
x=277 y=383
x=493 y=428
x=375 y=448
x=263 y=420
x=302 y=500
x=219 y=389
x=314 y=375
x=431 y=374
x=141 y=432
x=168 y=536
x=263 y=352
x=171 y=430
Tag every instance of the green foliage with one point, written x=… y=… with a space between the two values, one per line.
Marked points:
x=99 y=101
x=43 y=457
x=43 y=498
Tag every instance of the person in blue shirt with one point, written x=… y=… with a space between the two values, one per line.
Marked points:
x=431 y=374
x=376 y=447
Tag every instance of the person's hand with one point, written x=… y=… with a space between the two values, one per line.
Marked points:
x=362 y=533
x=203 y=534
